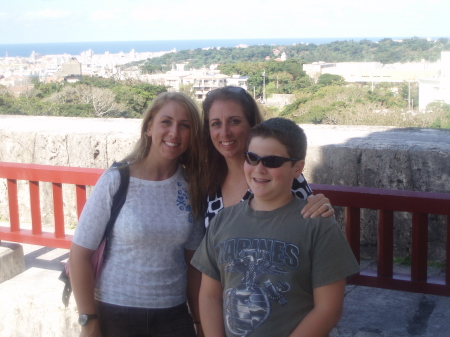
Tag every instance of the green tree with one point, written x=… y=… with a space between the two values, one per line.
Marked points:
x=315 y=115
x=330 y=79
x=410 y=91
x=282 y=82
x=46 y=89
x=188 y=90
x=443 y=109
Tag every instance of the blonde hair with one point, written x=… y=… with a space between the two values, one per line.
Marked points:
x=190 y=160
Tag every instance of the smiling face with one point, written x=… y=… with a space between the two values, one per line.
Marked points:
x=170 y=131
x=271 y=186
x=229 y=128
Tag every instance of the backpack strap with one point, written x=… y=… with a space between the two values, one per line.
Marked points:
x=120 y=196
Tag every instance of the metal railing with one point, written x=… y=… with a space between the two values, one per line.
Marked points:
x=353 y=199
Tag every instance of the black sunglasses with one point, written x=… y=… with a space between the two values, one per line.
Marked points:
x=236 y=90
x=245 y=100
x=268 y=161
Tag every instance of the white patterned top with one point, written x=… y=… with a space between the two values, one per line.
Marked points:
x=145 y=264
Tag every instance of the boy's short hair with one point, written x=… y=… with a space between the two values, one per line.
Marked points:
x=286 y=132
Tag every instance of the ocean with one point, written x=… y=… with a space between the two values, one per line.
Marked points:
x=114 y=47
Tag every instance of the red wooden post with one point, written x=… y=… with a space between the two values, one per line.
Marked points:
x=81 y=198
x=34 y=174
x=385 y=243
x=35 y=205
x=352 y=229
x=58 y=210
x=447 y=271
x=13 y=205
x=419 y=246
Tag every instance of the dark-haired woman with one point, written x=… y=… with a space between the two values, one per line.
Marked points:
x=228 y=115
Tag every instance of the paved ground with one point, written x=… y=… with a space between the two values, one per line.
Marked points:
x=374 y=312
x=368 y=312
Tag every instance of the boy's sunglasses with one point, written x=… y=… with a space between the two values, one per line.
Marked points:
x=236 y=90
x=268 y=161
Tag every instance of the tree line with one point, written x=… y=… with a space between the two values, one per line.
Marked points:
x=286 y=77
x=91 y=97
x=329 y=101
x=385 y=51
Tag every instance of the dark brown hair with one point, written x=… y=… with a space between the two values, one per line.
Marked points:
x=286 y=132
x=215 y=168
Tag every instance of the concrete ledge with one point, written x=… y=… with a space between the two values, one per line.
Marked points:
x=374 y=312
x=31 y=306
x=31 y=303
x=12 y=261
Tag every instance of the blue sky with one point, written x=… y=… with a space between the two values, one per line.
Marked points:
x=35 y=21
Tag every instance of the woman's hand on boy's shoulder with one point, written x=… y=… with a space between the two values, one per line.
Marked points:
x=317 y=205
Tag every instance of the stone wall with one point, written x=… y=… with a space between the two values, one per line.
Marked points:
x=383 y=157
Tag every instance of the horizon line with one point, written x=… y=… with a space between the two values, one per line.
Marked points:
x=240 y=38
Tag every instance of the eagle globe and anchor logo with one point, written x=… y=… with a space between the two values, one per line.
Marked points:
x=248 y=306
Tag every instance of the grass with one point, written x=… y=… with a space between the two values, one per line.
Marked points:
x=403 y=261
x=72 y=225
x=406 y=261
x=437 y=264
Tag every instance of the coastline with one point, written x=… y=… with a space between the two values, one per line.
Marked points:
x=114 y=47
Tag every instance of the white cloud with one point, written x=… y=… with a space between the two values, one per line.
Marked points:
x=201 y=11
x=102 y=15
x=147 y=14
x=6 y=17
x=44 y=15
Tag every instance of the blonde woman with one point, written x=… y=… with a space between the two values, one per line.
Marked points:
x=145 y=280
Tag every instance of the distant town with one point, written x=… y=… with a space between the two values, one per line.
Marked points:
x=16 y=71
x=433 y=78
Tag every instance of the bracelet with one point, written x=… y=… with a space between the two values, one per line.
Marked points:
x=197 y=322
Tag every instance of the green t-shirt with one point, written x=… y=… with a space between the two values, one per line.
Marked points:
x=269 y=262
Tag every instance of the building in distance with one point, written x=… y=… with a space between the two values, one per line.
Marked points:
x=433 y=77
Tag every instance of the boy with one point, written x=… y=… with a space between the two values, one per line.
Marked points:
x=266 y=270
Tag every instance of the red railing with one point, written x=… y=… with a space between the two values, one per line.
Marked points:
x=353 y=199
x=34 y=174
x=386 y=202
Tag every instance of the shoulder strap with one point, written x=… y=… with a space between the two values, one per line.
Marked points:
x=120 y=196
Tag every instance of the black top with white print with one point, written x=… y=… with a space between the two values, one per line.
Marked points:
x=214 y=205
